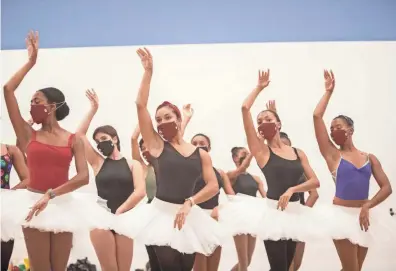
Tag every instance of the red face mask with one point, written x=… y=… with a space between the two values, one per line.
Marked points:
x=339 y=136
x=39 y=113
x=168 y=130
x=267 y=130
x=147 y=156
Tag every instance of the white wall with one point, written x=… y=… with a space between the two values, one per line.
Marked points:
x=215 y=79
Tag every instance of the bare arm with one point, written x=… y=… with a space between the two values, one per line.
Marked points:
x=188 y=112
x=226 y=183
x=260 y=184
x=233 y=174
x=212 y=187
x=312 y=198
x=93 y=157
x=135 y=146
x=383 y=182
x=312 y=181
x=140 y=188
x=151 y=137
x=255 y=146
x=20 y=167
x=82 y=176
x=326 y=146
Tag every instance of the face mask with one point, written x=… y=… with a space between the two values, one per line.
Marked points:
x=168 y=130
x=106 y=147
x=267 y=130
x=204 y=148
x=339 y=136
x=39 y=113
x=147 y=156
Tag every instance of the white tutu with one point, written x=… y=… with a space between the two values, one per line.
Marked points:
x=71 y=212
x=297 y=222
x=152 y=224
x=260 y=217
x=240 y=214
x=343 y=223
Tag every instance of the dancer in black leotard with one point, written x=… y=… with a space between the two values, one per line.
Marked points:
x=118 y=181
x=282 y=167
x=246 y=184
x=202 y=262
x=313 y=197
x=172 y=223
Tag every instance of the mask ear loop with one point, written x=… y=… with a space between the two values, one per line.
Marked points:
x=59 y=105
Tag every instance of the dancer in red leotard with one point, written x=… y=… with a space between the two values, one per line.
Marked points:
x=48 y=212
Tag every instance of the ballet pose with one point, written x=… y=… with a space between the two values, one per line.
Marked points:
x=119 y=182
x=310 y=202
x=351 y=170
x=282 y=167
x=11 y=156
x=246 y=184
x=48 y=212
x=171 y=222
x=202 y=262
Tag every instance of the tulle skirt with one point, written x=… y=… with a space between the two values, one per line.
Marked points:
x=260 y=217
x=153 y=224
x=343 y=223
x=71 y=212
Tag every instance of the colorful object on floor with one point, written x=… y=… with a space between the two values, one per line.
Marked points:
x=25 y=266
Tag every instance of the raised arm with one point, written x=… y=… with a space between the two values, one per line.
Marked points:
x=22 y=129
x=135 y=146
x=326 y=146
x=233 y=174
x=260 y=184
x=255 y=146
x=151 y=138
x=93 y=157
x=188 y=113
x=227 y=186
x=18 y=160
x=140 y=188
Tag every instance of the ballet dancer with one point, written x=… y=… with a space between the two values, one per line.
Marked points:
x=310 y=202
x=141 y=154
x=244 y=183
x=119 y=182
x=11 y=156
x=282 y=167
x=171 y=222
x=351 y=170
x=202 y=262
x=55 y=213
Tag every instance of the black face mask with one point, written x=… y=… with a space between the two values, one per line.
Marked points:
x=204 y=148
x=106 y=147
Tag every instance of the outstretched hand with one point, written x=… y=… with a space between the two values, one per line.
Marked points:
x=146 y=58
x=329 y=80
x=32 y=45
x=263 y=79
x=93 y=98
x=271 y=105
x=188 y=111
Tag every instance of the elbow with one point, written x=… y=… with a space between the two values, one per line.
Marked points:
x=317 y=115
x=84 y=178
x=214 y=188
x=316 y=184
x=389 y=190
x=245 y=108
x=140 y=105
